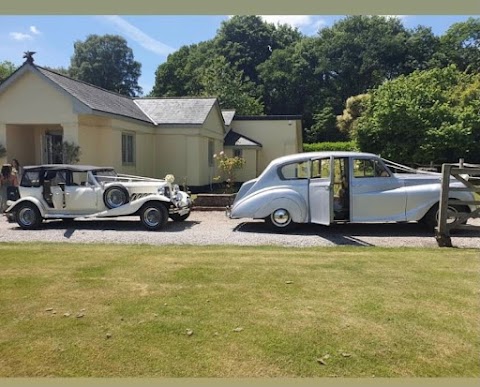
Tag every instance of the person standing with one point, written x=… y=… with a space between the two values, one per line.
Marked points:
x=7 y=179
x=16 y=169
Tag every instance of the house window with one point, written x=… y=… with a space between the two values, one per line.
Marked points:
x=128 y=149
x=211 y=151
x=238 y=153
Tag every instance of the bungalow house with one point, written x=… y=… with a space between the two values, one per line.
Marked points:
x=40 y=109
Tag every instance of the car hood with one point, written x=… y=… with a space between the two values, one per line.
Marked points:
x=410 y=179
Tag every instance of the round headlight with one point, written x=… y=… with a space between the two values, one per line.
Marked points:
x=175 y=188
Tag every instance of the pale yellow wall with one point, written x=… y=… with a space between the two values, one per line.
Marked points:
x=278 y=137
x=249 y=170
x=21 y=144
x=29 y=107
x=29 y=100
x=96 y=141
x=145 y=147
x=185 y=155
x=183 y=151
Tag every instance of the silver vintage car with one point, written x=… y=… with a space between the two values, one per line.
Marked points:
x=332 y=187
x=82 y=191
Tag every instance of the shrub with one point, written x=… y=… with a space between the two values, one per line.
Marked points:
x=228 y=166
x=330 y=146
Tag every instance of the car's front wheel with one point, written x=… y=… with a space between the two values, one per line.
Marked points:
x=28 y=216
x=280 y=220
x=430 y=220
x=153 y=216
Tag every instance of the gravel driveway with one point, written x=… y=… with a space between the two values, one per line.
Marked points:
x=207 y=228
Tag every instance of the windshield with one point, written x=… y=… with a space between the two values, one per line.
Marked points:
x=104 y=175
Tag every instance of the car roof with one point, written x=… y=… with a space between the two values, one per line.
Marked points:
x=62 y=167
x=312 y=155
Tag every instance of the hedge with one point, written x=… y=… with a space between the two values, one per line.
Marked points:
x=330 y=146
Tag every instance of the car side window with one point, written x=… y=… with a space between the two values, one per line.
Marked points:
x=56 y=177
x=321 y=169
x=294 y=171
x=368 y=168
x=79 y=178
x=31 y=179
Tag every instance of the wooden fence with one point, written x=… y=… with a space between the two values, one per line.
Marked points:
x=471 y=183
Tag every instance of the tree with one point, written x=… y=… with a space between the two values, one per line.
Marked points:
x=355 y=106
x=324 y=128
x=247 y=41
x=181 y=73
x=288 y=79
x=426 y=116
x=106 y=61
x=6 y=69
x=227 y=84
x=422 y=48
x=360 y=52
x=461 y=45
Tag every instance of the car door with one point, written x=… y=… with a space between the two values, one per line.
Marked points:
x=321 y=191
x=376 y=194
x=80 y=196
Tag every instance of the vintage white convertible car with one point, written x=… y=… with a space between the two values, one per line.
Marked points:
x=73 y=191
x=332 y=187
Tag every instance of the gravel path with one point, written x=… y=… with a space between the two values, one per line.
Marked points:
x=213 y=228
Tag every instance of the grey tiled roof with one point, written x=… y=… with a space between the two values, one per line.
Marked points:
x=158 y=111
x=164 y=111
x=228 y=116
x=234 y=139
x=97 y=98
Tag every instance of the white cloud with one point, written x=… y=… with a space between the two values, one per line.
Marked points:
x=139 y=36
x=401 y=17
x=34 y=30
x=292 y=20
x=20 y=36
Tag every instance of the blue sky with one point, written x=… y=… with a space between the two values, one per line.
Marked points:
x=151 y=38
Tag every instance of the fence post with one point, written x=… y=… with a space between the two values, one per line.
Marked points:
x=442 y=234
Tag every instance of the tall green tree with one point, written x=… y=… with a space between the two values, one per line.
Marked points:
x=106 y=61
x=426 y=116
x=288 y=79
x=460 y=45
x=6 y=69
x=360 y=52
x=228 y=85
x=181 y=74
x=324 y=128
x=247 y=41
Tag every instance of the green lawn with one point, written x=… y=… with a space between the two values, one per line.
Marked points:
x=123 y=310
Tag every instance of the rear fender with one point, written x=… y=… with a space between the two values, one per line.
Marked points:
x=262 y=204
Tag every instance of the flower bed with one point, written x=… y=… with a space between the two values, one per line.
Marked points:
x=213 y=201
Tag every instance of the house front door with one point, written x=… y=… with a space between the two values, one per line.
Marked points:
x=52 y=148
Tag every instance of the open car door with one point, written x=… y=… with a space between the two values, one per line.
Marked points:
x=321 y=191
